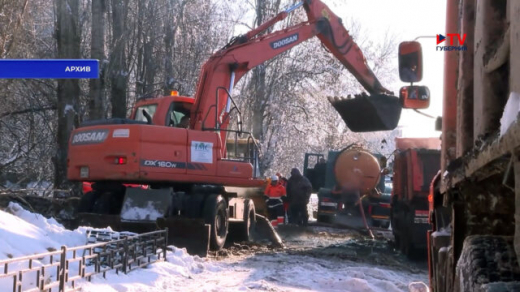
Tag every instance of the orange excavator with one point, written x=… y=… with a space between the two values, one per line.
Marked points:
x=190 y=174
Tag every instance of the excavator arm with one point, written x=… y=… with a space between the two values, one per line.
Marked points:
x=225 y=68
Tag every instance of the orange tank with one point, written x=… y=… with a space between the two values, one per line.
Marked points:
x=356 y=169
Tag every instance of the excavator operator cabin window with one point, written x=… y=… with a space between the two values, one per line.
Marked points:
x=140 y=112
x=178 y=115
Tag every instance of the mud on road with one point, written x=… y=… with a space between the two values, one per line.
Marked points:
x=318 y=258
x=330 y=243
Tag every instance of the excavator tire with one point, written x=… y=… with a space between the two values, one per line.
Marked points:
x=87 y=201
x=103 y=204
x=193 y=205
x=247 y=228
x=215 y=214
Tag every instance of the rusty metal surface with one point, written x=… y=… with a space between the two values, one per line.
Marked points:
x=514 y=61
x=465 y=81
x=482 y=157
x=490 y=89
x=449 y=114
x=516 y=167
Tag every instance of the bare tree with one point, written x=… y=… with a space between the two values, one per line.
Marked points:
x=68 y=37
x=118 y=65
x=97 y=51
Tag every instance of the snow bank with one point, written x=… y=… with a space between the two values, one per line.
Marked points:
x=180 y=269
x=25 y=233
x=510 y=114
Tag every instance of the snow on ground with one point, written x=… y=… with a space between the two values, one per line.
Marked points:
x=24 y=233
x=273 y=272
x=180 y=268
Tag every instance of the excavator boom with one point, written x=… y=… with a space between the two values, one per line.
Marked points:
x=225 y=68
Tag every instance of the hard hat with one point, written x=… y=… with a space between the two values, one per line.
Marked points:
x=274 y=178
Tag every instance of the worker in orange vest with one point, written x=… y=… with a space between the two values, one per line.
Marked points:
x=283 y=181
x=274 y=202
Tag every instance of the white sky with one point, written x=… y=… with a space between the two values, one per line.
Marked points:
x=406 y=20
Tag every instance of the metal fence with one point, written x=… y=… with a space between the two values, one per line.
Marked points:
x=59 y=270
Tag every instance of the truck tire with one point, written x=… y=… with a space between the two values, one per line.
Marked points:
x=406 y=236
x=247 y=229
x=397 y=241
x=323 y=219
x=216 y=215
x=385 y=225
x=86 y=202
x=486 y=259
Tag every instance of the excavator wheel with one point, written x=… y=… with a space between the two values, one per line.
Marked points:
x=215 y=214
x=249 y=225
x=87 y=201
x=103 y=203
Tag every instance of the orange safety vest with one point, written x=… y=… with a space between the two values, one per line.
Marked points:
x=275 y=192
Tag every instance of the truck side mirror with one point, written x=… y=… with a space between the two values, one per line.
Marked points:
x=410 y=62
x=414 y=97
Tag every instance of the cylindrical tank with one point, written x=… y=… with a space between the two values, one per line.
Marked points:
x=355 y=169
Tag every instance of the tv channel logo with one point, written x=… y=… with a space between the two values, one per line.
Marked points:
x=452 y=37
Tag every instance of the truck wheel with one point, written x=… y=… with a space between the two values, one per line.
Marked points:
x=215 y=214
x=397 y=241
x=484 y=260
x=323 y=219
x=407 y=248
x=86 y=202
x=385 y=225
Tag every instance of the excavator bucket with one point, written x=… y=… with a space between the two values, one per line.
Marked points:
x=154 y=206
x=145 y=205
x=367 y=113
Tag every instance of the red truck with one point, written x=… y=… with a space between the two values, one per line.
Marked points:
x=417 y=160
